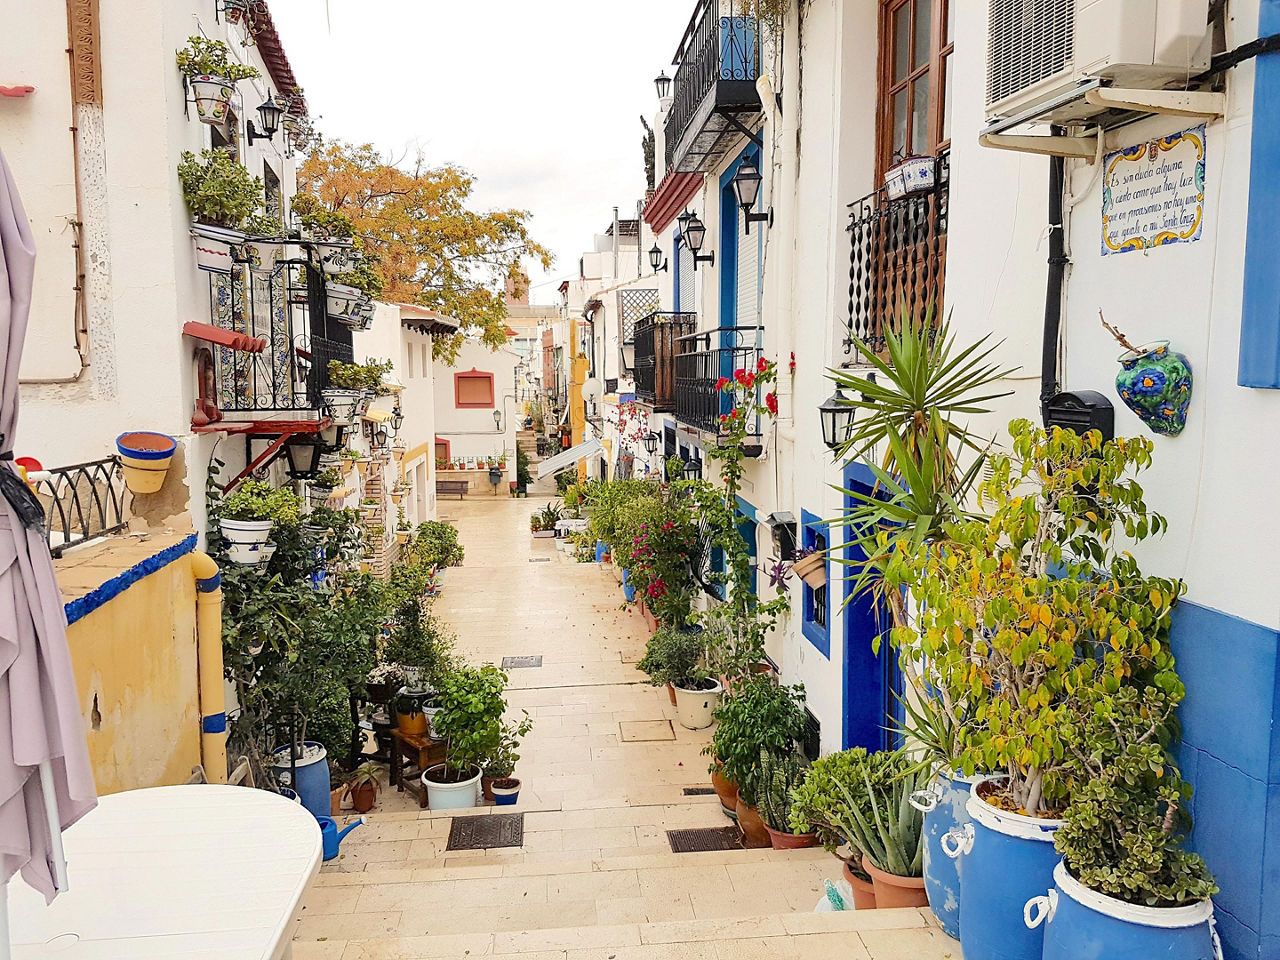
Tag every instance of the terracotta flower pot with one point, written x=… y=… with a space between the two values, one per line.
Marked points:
x=486 y=786
x=671 y=692
x=892 y=891
x=754 y=833
x=864 y=893
x=335 y=801
x=727 y=792
x=790 y=841
x=812 y=570
x=363 y=797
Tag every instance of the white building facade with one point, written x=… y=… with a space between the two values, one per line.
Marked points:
x=1166 y=201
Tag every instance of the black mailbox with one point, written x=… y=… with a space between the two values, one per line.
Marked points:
x=1081 y=411
x=782 y=527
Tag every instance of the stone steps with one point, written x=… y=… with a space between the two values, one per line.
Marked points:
x=427 y=929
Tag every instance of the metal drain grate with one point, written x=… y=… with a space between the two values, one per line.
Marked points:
x=699 y=791
x=703 y=839
x=484 y=833
x=539 y=559
x=515 y=663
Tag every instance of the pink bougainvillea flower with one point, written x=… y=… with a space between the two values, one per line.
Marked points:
x=771 y=401
x=722 y=383
x=762 y=365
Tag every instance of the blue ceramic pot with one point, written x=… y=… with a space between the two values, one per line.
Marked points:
x=1155 y=383
x=1005 y=859
x=1080 y=922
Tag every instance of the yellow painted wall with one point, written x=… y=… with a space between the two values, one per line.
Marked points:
x=135 y=666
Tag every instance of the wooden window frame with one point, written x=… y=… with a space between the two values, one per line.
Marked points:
x=473 y=374
x=939 y=58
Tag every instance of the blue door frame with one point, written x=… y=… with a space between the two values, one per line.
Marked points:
x=870 y=680
x=727 y=256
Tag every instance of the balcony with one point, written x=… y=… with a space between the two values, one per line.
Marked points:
x=701 y=360
x=897 y=260
x=657 y=337
x=82 y=502
x=714 y=99
x=277 y=366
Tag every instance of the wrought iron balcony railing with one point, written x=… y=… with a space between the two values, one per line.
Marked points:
x=285 y=307
x=897 y=259
x=82 y=502
x=701 y=360
x=714 y=97
x=657 y=337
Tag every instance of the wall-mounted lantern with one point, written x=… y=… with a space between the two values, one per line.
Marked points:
x=746 y=187
x=837 y=419
x=657 y=260
x=651 y=443
x=270 y=113
x=663 y=85
x=695 y=234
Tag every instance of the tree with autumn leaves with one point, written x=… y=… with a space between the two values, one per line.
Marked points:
x=419 y=234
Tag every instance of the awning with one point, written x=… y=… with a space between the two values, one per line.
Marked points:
x=377 y=416
x=225 y=338
x=566 y=459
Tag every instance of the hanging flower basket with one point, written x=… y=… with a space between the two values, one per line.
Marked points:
x=342 y=406
x=145 y=458
x=335 y=254
x=212 y=96
x=812 y=570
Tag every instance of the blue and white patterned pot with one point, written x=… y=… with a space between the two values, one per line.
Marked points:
x=1155 y=383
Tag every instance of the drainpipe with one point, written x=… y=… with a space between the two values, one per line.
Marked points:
x=213 y=710
x=1053 y=287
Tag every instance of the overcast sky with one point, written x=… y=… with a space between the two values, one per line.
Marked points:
x=540 y=100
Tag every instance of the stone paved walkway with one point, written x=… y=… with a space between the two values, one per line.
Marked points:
x=604 y=773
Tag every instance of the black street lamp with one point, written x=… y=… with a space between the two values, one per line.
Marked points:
x=270 y=113
x=657 y=260
x=302 y=456
x=663 y=84
x=695 y=234
x=651 y=443
x=837 y=419
x=746 y=187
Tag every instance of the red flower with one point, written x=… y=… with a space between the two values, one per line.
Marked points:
x=771 y=401
x=793 y=361
x=724 y=418
x=762 y=365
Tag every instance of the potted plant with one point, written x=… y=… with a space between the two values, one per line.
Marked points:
x=330 y=234
x=674 y=658
x=470 y=723
x=342 y=302
x=759 y=716
x=436 y=545
x=506 y=791
x=543 y=523
x=821 y=804
x=321 y=488
x=777 y=776
x=1068 y=622
x=212 y=75
x=500 y=763
x=811 y=566
x=363 y=786
x=349 y=389
x=247 y=515
x=889 y=830
x=403 y=530
x=220 y=194
x=368 y=506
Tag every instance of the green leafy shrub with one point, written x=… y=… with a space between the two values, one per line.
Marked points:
x=502 y=759
x=758 y=715
x=832 y=787
x=674 y=656
x=211 y=57
x=318 y=220
x=470 y=718
x=217 y=189
x=436 y=544
x=360 y=376
x=259 y=500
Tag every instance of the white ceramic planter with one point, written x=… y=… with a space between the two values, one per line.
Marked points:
x=212 y=96
x=694 y=707
x=343 y=406
x=318 y=496
x=919 y=173
x=342 y=301
x=451 y=796
x=248 y=540
x=263 y=255
x=213 y=246
x=336 y=255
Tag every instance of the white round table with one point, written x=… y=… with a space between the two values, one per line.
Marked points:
x=206 y=871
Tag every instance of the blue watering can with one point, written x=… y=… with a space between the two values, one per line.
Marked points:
x=330 y=837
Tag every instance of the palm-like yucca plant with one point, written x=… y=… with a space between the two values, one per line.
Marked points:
x=888 y=828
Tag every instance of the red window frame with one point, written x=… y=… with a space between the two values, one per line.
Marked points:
x=448 y=453
x=472 y=374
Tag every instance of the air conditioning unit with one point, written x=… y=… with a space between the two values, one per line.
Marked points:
x=1040 y=51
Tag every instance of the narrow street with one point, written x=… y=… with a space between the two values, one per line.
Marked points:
x=604 y=773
